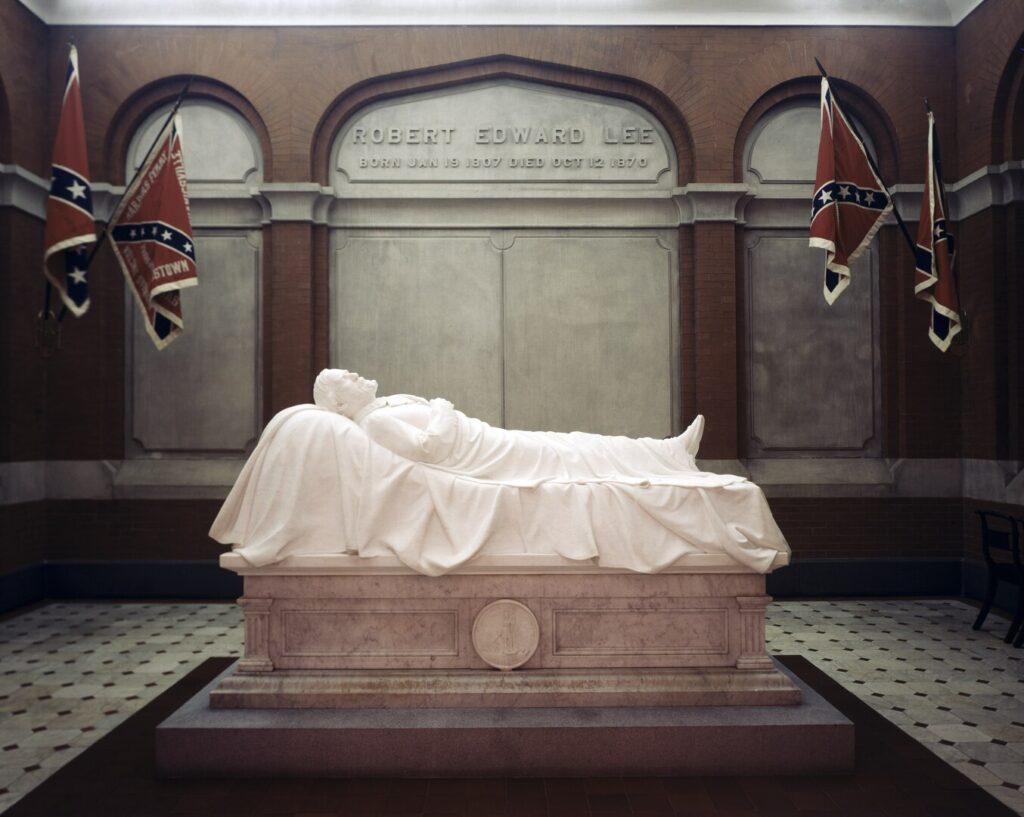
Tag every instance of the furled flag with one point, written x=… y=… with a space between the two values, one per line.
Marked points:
x=850 y=202
x=152 y=236
x=70 y=227
x=933 y=278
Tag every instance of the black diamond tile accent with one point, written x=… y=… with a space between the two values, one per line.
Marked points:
x=998 y=742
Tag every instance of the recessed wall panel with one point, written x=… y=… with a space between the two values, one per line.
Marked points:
x=811 y=366
x=200 y=392
x=421 y=314
x=589 y=333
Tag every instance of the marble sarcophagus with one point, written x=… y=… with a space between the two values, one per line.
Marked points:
x=341 y=631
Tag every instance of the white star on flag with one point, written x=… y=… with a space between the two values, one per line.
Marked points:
x=77 y=190
x=188 y=247
x=77 y=275
x=165 y=235
x=826 y=197
x=869 y=198
x=134 y=232
x=844 y=191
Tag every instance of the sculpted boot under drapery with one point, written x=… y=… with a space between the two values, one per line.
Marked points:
x=419 y=479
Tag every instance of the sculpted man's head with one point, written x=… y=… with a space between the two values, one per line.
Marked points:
x=343 y=391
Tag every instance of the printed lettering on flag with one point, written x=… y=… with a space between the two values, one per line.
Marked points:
x=151 y=234
x=935 y=252
x=70 y=227
x=850 y=202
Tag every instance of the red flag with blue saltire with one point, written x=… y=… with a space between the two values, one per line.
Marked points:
x=935 y=252
x=151 y=234
x=70 y=227
x=850 y=201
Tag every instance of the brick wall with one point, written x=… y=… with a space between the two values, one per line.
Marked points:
x=871 y=528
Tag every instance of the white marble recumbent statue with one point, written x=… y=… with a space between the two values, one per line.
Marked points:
x=423 y=482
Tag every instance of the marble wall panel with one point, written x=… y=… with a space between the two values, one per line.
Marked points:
x=201 y=392
x=219 y=145
x=420 y=312
x=503 y=131
x=784 y=146
x=812 y=369
x=590 y=332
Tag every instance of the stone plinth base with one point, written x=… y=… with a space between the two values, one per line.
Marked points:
x=807 y=738
x=421 y=689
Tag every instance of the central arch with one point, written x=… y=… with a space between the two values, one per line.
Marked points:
x=511 y=243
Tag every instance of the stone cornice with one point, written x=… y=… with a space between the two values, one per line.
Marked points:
x=757 y=206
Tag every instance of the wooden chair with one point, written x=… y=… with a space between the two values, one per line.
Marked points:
x=1000 y=545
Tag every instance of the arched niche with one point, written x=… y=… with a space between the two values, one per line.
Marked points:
x=783 y=147
x=200 y=395
x=511 y=245
x=1008 y=113
x=500 y=66
x=812 y=371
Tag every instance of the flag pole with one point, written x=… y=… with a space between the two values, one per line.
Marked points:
x=899 y=219
x=106 y=228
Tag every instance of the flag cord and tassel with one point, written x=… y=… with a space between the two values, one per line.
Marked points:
x=895 y=211
x=106 y=231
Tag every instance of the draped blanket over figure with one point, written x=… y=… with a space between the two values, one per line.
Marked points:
x=423 y=482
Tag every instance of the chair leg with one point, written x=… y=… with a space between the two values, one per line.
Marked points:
x=1018 y=618
x=990 y=596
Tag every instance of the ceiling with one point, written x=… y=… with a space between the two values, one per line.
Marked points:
x=502 y=12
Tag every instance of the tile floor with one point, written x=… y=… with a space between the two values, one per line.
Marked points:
x=70 y=672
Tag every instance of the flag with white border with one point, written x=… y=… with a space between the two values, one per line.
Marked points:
x=850 y=202
x=70 y=226
x=151 y=234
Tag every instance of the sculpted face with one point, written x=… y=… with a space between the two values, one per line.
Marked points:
x=343 y=391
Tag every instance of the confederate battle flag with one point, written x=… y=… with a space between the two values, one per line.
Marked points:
x=933 y=278
x=70 y=227
x=850 y=202
x=152 y=236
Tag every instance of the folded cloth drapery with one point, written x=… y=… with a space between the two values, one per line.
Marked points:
x=319 y=483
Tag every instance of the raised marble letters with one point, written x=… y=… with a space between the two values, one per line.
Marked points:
x=503 y=132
